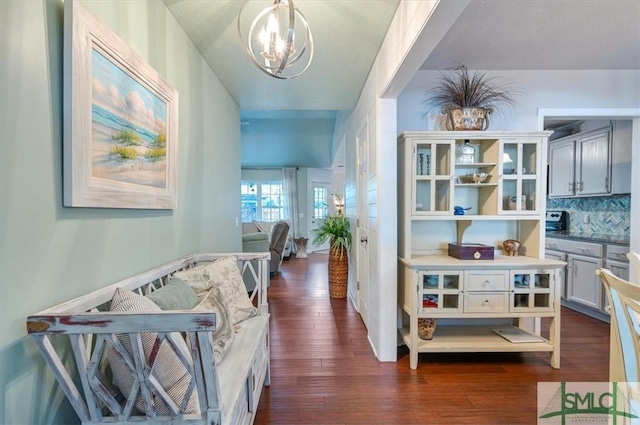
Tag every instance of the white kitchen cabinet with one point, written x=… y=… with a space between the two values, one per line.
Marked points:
x=593 y=164
x=619 y=268
x=616 y=260
x=469 y=296
x=621 y=157
x=583 y=290
x=580 y=165
x=562 y=166
x=583 y=285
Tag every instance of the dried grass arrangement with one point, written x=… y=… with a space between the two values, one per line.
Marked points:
x=459 y=89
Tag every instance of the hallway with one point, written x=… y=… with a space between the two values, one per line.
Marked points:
x=323 y=370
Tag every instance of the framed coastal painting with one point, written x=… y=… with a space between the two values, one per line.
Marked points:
x=120 y=121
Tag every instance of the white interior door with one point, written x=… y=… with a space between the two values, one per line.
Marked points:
x=318 y=210
x=362 y=235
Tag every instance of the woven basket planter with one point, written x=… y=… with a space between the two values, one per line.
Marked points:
x=338 y=274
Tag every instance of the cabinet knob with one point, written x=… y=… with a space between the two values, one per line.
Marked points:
x=486 y=302
x=486 y=283
x=364 y=239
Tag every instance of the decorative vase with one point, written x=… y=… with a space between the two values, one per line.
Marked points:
x=461 y=119
x=338 y=273
x=426 y=328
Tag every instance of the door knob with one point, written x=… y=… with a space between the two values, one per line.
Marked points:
x=364 y=239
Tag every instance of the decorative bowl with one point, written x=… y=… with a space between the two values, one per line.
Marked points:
x=478 y=177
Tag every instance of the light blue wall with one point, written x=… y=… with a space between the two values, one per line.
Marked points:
x=49 y=254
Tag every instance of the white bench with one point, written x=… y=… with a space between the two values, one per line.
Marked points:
x=228 y=393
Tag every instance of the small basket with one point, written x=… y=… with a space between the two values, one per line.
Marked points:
x=426 y=328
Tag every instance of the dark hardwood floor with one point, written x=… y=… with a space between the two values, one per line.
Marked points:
x=323 y=370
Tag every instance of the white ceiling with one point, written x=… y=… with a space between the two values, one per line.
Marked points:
x=488 y=35
x=542 y=34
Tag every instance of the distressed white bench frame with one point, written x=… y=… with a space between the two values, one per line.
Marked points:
x=228 y=393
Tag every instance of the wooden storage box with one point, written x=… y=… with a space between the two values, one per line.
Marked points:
x=470 y=251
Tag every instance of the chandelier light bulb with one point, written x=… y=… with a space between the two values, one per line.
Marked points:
x=264 y=38
x=274 y=50
x=272 y=24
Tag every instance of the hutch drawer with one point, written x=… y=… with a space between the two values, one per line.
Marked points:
x=483 y=281
x=486 y=302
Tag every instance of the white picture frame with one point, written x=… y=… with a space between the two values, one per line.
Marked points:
x=120 y=121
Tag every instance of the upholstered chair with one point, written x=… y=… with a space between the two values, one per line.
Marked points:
x=277 y=242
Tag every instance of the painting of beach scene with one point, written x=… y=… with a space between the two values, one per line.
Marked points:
x=128 y=127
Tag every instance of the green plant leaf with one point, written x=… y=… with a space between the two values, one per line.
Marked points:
x=336 y=230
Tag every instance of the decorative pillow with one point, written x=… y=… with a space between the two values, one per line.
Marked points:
x=223 y=274
x=167 y=368
x=176 y=295
x=223 y=336
x=196 y=277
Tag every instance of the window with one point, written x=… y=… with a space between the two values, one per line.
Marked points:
x=262 y=201
x=320 y=207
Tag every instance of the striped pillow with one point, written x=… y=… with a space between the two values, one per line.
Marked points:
x=167 y=368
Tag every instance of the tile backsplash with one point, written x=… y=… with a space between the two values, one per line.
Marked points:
x=607 y=214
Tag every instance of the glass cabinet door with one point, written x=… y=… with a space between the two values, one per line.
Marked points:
x=432 y=177
x=439 y=291
x=531 y=290
x=519 y=176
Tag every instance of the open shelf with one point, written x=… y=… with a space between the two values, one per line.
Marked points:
x=476 y=184
x=472 y=339
x=475 y=164
x=472 y=217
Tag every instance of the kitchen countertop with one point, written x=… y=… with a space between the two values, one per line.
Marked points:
x=589 y=237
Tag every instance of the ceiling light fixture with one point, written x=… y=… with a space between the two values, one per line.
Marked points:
x=276 y=50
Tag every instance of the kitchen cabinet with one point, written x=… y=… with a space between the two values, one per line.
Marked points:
x=616 y=260
x=580 y=165
x=469 y=296
x=562 y=168
x=582 y=288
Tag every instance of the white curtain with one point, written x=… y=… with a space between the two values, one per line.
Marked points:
x=290 y=188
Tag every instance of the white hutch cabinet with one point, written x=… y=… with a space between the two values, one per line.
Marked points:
x=508 y=204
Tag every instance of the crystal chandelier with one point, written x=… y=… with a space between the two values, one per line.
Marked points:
x=275 y=49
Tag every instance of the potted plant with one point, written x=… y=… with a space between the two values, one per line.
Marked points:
x=336 y=230
x=467 y=99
